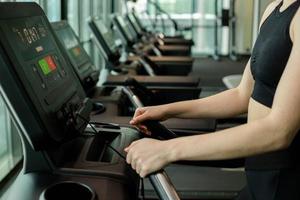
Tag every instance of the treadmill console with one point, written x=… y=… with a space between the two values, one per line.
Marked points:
x=134 y=24
x=79 y=58
x=138 y=21
x=36 y=81
x=107 y=35
x=105 y=40
x=124 y=29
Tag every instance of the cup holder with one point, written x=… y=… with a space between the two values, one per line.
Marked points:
x=68 y=190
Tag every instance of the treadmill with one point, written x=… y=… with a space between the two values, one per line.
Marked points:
x=161 y=37
x=118 y=104
x=150 y=40
x=143 y=65
x=130 y=37
x=133 y=39
x=140 y=33
x=64 y=157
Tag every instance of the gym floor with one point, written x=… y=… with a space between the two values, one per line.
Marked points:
x=211 y=71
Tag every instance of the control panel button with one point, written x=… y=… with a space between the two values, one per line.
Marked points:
x=35 y=70
x=47 y=65
x=44 y=66
x=76 y=51
x=51 y=63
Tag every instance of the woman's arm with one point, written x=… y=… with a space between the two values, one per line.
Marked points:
x=274 y=132
x=225 y=104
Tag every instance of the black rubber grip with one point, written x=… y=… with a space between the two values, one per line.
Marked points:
x=158 y=130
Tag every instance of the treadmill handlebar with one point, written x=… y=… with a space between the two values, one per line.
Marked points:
x=159 y=131
x=163 y=186
x=133 y=98
x=159 y=180
x=146 y=66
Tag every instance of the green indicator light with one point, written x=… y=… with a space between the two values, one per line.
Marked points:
x=44 y=66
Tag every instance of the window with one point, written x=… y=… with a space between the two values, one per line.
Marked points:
x=197 y=14
x=10 y=144
x=52 y=9
x=176 y=6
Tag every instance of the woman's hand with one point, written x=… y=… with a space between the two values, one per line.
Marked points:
x=148 y=113
x=148 y=155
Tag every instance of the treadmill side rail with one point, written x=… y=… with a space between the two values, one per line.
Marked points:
x=163 y=186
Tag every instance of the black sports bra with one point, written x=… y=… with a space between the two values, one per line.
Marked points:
x=271 y=53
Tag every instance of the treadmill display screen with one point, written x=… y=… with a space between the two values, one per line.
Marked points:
x=41 y=68
x=134 y=22
x=125 y=27
x=78 y=56
x=107 y=35
x=28 y=35
x=30 y=41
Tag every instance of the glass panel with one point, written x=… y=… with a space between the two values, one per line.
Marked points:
x=197 y=14
x=176 y=6
x=10 y=145
x=73 y=15
x=53 y=8
x=85 y=10
x=204 y=26
x=97 y=7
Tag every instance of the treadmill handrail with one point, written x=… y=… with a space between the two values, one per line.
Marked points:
x=163 y=186
x=133 y=98
x=147 y=67
x=159 y=180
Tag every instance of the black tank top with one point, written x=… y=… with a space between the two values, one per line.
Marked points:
x=271 y=53
x=268 y=61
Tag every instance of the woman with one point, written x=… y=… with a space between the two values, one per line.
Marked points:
x=269 y=92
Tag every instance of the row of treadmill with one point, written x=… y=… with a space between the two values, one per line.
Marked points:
x=74 y=130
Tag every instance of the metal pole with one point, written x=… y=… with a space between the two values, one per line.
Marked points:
x=256 y=19
x=216 y=32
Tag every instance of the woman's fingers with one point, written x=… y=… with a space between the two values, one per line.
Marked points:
x=139 y=111
x=139 y=119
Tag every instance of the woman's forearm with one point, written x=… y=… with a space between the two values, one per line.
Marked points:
x=223 y=105
x=246 y=140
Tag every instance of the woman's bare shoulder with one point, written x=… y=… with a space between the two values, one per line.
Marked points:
x=270 y=9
